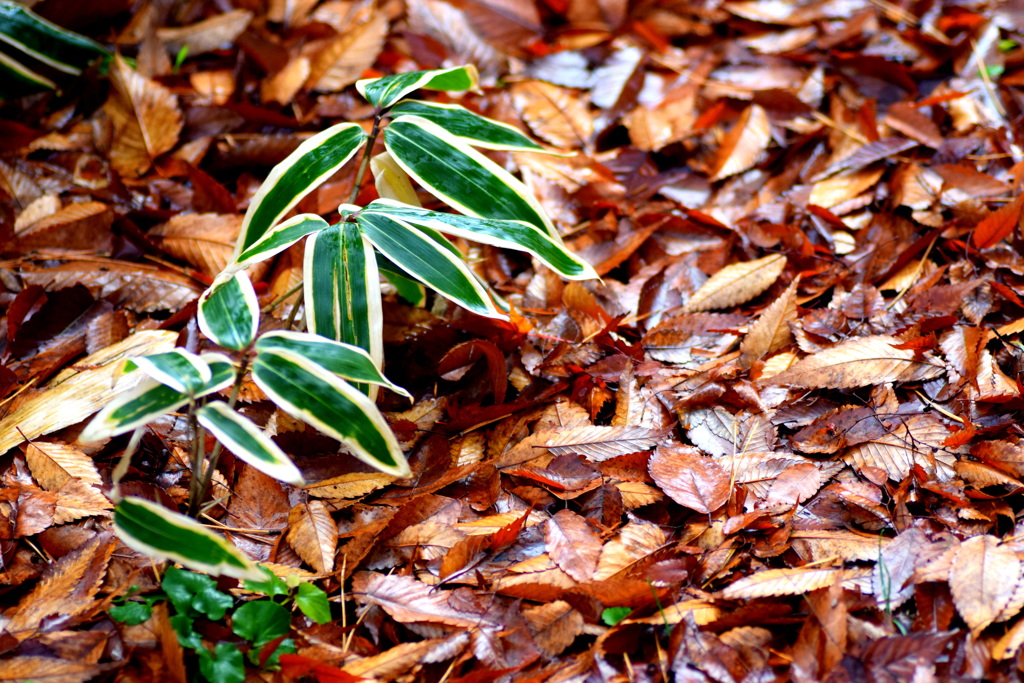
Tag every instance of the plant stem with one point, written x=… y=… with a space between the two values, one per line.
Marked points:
x=195 y=458
x=364 y=163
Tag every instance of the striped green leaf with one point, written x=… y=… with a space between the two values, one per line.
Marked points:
x=222 y=373
x=342 y=294
x=345 y=360
x=510 y=234
x=421 y=256
x=246 y=440
x=407 y=288
x=48 y=43
x=459 y=175
x=279 y=238
x=471 y=128
x=17 y=80
x=313 y=162
x=152 y=529
x=229 y=312
x=384 y=92
x=181 y=370
x=133 y=409
x=308 y=392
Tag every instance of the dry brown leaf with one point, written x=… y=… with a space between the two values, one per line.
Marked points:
x=352 y=485
x=794 y=485
x=557 y=115
x=205 y=36
x=137 y=286
x=839 y=188
x=912 y=122
x=147 y=120
x=392 y=663
x=814 y=545
x=76 y=500
x=79 y=225
x=597 y=443
x=408 y=600
x=652 y=129
x=507 y=24
x=770 y=332
x=693 y=480
x=861 y=362
x=701 y=611
x=290 y=12
x=573 y=544
x=913 y=439
x=745 y=143
x=48 y=669
x=205 y=240
x=983 y=579
x=342 y=61
x=313 y=534
x=775 y=582
x=74 y=395
x=53 y=464
x=282 y=86
x=554 y=626
x=635 y=542
x=736 y=283
x=636 y=494
x=67 y=587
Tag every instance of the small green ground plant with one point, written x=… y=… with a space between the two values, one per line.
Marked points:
x=328 y=375
x=261 y=627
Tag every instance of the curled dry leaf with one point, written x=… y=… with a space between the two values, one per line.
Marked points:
x=983 y=578
x=693 y=480
x=770 y=332
x=554 y=626
x=737 y=283
x=408 y=601
x=555 y=114
x=745 y=144
x=147 y=120
x=861 y=362
x=573 y=544
x=313 y=534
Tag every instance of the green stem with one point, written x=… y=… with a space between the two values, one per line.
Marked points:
x=364 y=163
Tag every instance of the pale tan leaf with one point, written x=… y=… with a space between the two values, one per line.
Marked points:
x=392 y=663
x=205 y=240
x=814 y=545
x=795 y=484
x=651 y=129
x=913 y=439
x=737 y=283
x=290 y=12
x=982 y=578
x=555 y=626
x=140 y=287
x=634 y=543
x=38 y=209
x=693 y=480
x=408 y=600
x=861 y=362
x=76 y=500
x=313 y=534
x=205 y=36
x=770 y=332
x=555 y=114
x=147 y=120
x=775 y=582
x=78 y=225
x=74 y=395
x=636 y=494
x=282 y=86
x=573 y=544
x=47 y=670
x=839 y=188
x=745 y=144
x=701 y=611
x=1010 y=642
x=68 y=587
x=53 y=464
x=597 y=443
x=352 y=485
x=343 y=61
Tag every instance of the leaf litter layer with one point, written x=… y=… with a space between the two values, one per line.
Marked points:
x=779 y=439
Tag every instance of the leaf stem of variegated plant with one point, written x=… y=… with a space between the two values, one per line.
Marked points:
x=364 y=163
x=211 y=463
x=281 y=299
x=195 y=458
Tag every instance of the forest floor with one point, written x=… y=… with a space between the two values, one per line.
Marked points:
x=780 y=439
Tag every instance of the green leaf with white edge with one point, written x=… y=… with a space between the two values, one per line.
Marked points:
x=302 y=171
x=407 y=288
x=222 y=373
x=345 y=360
x=342 y=291
x=246 y=440
x=181 y=370
x=502 y=233
x=46 y=42
x=461 y=176
x=279 y=238
x=146 y=402
x=17 y=80
x=313 y=603
x=385 y=91
x=471 y=128
x=308 y=392
x=229 y=312
x=154 y=530
x=422 y=257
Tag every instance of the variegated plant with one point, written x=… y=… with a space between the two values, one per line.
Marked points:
x=329 y=375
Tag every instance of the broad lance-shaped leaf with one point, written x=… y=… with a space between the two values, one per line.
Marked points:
x=16 y=79
x=407 y=288
x=46 y=42
x=313 y=162
x=501 y=233
x=308 y=392
x=151 y=399
x=342 y=292
x=471 y=128
x=384 y=92
x=459 y=175
x=154 y=530
x=246 y=440
x=181 y=370
x=279 y=238
x=423 y=257
x=229 y=312
x=345 y=360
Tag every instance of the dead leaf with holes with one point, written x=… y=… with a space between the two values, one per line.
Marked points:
x=736 y=284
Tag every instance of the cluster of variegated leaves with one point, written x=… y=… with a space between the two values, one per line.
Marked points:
x=328 y=376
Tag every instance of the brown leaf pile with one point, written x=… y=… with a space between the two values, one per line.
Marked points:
x=779 y=440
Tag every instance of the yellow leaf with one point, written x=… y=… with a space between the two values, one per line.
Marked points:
x=736 y=284
x=556 y=114
x=54 y=464
x=776 y=582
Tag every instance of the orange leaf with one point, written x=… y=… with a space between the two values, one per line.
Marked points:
x=998 y=225
x=689 y=478
x=573 y=544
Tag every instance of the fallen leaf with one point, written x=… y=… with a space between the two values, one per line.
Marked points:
x=983 y=579
x=736 y=283
x=218 y=31
x=409 y=601
x=205 y=240
x=555 y=626
x=555 y=114
x=598 y=443
x=54 y=464
x=744 y=145
x=775 y=582
x=313 y=534
x=693 y=480
x=998 y=225
x=861 y=362
x=770 y=332
x=342 y=61
x=573 y=544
